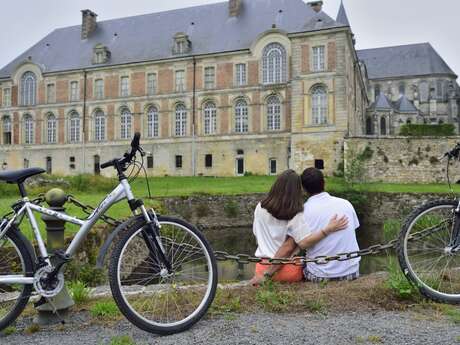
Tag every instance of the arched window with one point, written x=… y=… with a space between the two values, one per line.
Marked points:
x=51 y=129
x=181 y=120
x=424 y=91
x=274 y=64
x=152 y=122
x=28 y=130
x=74 y=127
x=273 y=113
x=126 y=122
x=369 y=126
x=6 y=129
x=241 y=116
x=402 y=89
x=28 y=89
x=99 y=125
x=319 y=105
x=383 y=126
x=210 y=118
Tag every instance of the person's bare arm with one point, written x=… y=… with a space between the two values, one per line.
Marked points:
x=336 y=224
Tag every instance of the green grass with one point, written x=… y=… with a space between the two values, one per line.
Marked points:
x=78 y=291
x=122 y=340
x=105 y=310
x=399 y=284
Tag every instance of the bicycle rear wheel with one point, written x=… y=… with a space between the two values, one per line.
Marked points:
x=15 y=260
x=150 y=297
x=424 y=253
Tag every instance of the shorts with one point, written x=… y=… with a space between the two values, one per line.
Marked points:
x=286 y=274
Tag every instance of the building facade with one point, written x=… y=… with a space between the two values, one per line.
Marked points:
x=409 y=84
x=222 y=90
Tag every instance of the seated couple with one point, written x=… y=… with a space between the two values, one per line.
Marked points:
x=324 y=225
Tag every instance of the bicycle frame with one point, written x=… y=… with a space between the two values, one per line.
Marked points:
x=122 y=191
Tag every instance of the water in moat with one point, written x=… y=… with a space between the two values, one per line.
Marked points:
x=242 y=241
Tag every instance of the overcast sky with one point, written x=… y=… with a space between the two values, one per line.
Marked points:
x=375 y=23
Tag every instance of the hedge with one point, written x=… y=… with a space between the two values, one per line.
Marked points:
x=442 y=130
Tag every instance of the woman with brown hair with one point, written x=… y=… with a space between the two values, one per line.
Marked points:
x=276 y=217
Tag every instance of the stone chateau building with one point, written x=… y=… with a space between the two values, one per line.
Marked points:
x=217 y=90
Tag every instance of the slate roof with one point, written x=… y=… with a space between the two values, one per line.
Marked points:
x=150 y=37
x=342 y=16
x=403 y=105
x=403 y=61
x=382 y=103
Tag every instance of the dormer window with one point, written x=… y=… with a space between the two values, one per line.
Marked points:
x=101 y=54
x=182 y=44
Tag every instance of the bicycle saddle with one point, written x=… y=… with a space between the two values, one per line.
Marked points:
x=19 y=176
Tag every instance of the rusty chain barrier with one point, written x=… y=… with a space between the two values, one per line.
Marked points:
x=246 y=259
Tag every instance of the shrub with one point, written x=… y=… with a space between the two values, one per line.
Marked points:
x=421 y=130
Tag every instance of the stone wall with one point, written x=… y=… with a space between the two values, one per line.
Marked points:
x=402 y=159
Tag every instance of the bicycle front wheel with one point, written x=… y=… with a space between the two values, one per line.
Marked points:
x=424 y=251
x=149 y=296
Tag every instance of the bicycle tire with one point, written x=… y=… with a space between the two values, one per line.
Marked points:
x=128 y=311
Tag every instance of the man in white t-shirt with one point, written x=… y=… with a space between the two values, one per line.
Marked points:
x=318 y=211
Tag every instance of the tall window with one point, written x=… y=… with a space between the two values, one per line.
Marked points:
x=181 y=120
x=319 y=105
x=402 y=89
x=180 y=80
x=424 y=91
x=99 y=126
x=7 y=97
x=124 y=86
x=319 y=59
x=151 y=84
x=50 y=93
x=126 y=122
x=209 y=77
x=241 y=117
x=241 y=75
x=383 y=126
x=74 y=91
x=28 y=89
x=28 y=130
x=6 y=124
x=440 y=92
x=74 y=127
x=273 y=113
x=210 y=118
x=99 y=88
x=377 y=91
x=152 y=122
x=274 y=64
x=51 y=129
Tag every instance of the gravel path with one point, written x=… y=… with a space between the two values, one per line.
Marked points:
x=381 y=327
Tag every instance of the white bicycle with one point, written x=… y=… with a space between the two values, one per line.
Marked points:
x=162 y=272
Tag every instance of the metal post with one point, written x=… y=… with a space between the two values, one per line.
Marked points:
x=55 y=198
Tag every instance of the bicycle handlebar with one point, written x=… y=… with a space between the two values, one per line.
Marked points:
x=127 y=158
x=454 y=153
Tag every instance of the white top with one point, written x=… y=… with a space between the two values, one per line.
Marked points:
x=271 y=233
x=318 y=211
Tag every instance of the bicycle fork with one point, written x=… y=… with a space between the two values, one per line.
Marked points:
x=454 y=245
x=151 y=236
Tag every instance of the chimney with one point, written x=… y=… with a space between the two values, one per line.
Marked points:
x=88 y=23
x=234 y=7
x=317 y=6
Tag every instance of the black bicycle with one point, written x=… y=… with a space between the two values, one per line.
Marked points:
x=163 y=273
x=429 y=245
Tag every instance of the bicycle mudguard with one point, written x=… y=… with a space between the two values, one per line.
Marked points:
x=108 y=242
